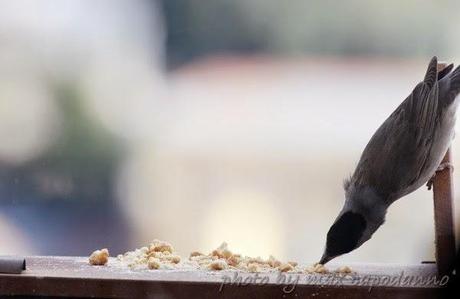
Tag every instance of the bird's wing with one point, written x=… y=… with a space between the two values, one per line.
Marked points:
x=397 y=154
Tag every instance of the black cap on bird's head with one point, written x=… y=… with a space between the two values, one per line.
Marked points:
x=362 y=214
x=344 y=235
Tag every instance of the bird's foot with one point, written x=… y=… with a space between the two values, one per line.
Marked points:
x=441 y=167
x=445 y=165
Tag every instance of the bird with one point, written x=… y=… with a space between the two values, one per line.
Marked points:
x=402 y=155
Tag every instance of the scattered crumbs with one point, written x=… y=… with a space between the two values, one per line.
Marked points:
x=223 y=258
x=157 y=255
x=161 y=255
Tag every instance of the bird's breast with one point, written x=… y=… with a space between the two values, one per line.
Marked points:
x=442 y=139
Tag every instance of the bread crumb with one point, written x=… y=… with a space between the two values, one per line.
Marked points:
x=219 y=251
x=99 y=257
x=234 y=260
x=293 y=264
x=153 y=263
x=218 y=265
x=253 y=268
x=317 y=268
x=195 y=253
x=273 y=262
x=344 y=270
x=227 y=254
x=257 y=260
x=175 y=259
x=160 y=246
x=285 y=267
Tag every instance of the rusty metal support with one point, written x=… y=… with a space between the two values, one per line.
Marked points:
x=443 y=214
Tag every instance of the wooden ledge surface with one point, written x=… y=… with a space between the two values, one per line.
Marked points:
x=74 y=277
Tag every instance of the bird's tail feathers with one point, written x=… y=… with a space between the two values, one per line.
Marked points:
x=431 y=75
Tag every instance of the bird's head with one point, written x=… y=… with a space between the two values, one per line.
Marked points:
x=362 y=214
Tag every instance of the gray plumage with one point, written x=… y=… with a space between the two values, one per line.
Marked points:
x=402 y=155
x=408 y=147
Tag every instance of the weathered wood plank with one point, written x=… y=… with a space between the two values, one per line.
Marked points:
x=74 y=277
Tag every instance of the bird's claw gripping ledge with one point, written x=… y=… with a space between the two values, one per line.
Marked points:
x=441 y=167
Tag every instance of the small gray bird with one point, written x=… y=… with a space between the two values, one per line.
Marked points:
x=402 y=155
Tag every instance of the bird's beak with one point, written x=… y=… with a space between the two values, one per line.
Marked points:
x=325 y=258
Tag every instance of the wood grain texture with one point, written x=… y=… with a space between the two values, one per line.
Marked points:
x=443 y=219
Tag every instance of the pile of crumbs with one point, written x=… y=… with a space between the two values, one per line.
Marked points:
x=222 y=258
x=161 y=255
x=157 y=255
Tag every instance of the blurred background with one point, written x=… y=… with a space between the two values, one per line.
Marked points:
x=199 y=122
